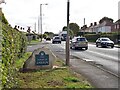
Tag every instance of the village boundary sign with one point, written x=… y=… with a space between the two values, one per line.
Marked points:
x=42 y=58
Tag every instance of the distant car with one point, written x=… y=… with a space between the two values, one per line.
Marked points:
x=48 y=39
x=104 y=42
x=79 y=42
x=56 y=39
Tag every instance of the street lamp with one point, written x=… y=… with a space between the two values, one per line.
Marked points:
x=41 y=18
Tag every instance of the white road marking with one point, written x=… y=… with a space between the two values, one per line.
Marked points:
x=105 y=55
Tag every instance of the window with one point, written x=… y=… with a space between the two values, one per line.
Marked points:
x=115 y=26
x=118 y=26
x=81 y=39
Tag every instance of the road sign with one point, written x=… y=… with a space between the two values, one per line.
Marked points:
x=42 y=59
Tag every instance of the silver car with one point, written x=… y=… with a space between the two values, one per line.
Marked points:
x=79 y=42
x=56 y=39
x=104 y=42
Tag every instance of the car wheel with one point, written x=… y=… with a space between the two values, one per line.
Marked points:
x=86 y=48
x=96 y=44
x=112 y=46
x=76 y=48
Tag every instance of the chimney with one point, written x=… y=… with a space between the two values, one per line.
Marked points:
x=95 y=23
x=91 y=24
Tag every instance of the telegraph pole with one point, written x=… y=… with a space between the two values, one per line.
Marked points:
x=67 y=39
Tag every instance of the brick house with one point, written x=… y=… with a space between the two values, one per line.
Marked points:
x=116 y=26
x=105 y=25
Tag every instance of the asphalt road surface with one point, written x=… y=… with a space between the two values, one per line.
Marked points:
x=106 y=58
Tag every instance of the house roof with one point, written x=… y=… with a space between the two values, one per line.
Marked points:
x=118 y=21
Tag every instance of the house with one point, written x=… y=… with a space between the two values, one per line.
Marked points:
x=116 y=26
x=91 y=28
x=105 y=25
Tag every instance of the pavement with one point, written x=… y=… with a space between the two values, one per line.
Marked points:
x=94 y=74
x=98 y=77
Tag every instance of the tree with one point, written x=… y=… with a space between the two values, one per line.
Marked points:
x=74 y=27
x=49 y=34
x=45 y=36
x=70 y=31
x=64 y=28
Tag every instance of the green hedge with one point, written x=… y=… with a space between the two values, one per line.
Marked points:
x=93 y=37
x=13 y=47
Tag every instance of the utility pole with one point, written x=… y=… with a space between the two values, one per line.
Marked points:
x=68 y=39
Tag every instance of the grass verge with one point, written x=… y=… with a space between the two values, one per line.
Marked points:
x=59 y=77
x=34 y=42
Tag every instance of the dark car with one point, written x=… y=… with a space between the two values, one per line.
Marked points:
x=79 y=42
x=104 y=42
x=56 y=39
x=48 y=39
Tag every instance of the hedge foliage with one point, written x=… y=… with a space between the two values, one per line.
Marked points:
x=13 y=47
x=113 y=36
x=2 y=17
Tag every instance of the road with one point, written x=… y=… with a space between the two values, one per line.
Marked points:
x=106 y=58
x=101 y=67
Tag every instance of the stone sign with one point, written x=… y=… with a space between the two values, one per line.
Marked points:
x=42 y=59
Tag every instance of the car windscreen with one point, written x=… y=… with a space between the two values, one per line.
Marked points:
x=64 y=35
x=81 y=39
x=105 y=39
x=57 y=37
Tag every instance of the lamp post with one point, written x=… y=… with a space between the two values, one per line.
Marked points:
x=67 y=39
x=41 y=18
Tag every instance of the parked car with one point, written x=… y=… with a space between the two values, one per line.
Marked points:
x=79 y=42
x=48 y=39
x=56 y=39
x=104 y=42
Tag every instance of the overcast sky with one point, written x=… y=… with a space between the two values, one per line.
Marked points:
x=26 y=12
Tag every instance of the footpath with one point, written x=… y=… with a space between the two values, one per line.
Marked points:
x=98 y=77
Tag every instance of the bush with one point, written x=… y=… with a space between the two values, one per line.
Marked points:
x=13 y=47
x=93 y=37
